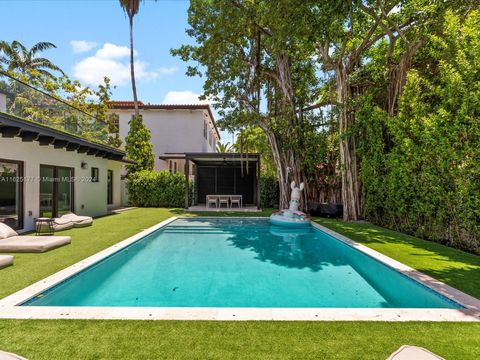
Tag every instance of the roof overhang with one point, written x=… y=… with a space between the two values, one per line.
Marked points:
x=222 y=158
x=28 y=131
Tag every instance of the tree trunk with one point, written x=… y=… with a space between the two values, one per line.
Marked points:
x=288 y=168
x=348 y=159
x=397 y=75
x=132 y=69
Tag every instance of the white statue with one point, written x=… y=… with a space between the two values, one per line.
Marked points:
x=292 y=217
x=295 y=196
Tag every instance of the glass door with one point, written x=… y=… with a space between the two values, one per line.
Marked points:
x=47 y=180
x=109 y=187
x=56 y=191
x=11 y=193
x=64 y=191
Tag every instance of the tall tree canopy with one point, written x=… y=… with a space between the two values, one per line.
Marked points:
x=131 y=8
x=273 y=64
x=17 y=57
x=256 y=74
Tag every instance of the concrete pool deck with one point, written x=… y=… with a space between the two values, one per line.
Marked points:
x=10 y=306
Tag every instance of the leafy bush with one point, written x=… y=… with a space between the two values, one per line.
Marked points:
x=149 y=188
x=426 y=182
x=268 y=192
x=138 y=146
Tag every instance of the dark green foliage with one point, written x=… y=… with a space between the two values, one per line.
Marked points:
x=17 y=57
x=138 y=146
x=424 y=178
x=268 y=192
x=156 y=189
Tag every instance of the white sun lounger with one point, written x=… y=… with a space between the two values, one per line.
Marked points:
x=77 y=220
x=10 y=356
x=408 y=352
x=10 y=241
x=71 y=220
x=5 y=260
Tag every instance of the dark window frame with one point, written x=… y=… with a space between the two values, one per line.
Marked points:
x=110 y=187
x=95 y=179
x=20 y=175
x=55 y=188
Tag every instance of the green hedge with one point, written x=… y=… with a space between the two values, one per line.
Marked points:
x=425 y=180
x=268 y=192
x=148 y=188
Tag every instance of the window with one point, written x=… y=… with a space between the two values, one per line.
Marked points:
x=56 y=190
x=109 y=187
x=170 y=165
x=174 y=167
x=205 y=129
x=95 y=175
x=114 y=123
x=11 y=193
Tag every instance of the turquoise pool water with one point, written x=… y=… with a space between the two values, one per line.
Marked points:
x=240 y=263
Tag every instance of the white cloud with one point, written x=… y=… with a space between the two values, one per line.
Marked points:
x=113 y=61
x=81 y=46
x=183 y=97
x=112 y=51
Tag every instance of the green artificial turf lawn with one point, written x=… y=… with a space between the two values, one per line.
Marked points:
x=75 y=339
x=80 y=339
x=452 y=266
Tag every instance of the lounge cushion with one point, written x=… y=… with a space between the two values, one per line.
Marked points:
x=62 y=223
x=77 y=220
x=409 y=352
x=5 y=260
x=9 y=356
x=33 y=244
x=6 y=231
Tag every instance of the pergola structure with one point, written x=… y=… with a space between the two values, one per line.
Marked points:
x=223 y=174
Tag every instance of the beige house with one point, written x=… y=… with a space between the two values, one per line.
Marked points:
x=46 y=170
x=175 y=130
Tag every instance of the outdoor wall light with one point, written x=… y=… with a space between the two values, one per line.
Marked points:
x=84 y=165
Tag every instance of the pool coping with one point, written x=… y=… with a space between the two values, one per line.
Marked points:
x=10 y=309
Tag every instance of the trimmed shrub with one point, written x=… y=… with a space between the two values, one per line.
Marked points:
x=149 y=188
x=268 y=192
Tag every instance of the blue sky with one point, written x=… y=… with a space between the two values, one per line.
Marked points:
x=92 y=39
x=100 y=35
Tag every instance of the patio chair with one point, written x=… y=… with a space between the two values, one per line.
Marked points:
x=236 y=199
x=10 y=241
x=223 y=200
x=212 y=199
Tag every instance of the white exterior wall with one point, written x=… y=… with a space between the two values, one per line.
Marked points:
x=89 y=198
x=173 y=131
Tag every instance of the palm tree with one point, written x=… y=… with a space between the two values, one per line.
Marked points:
x=17 y=56
x=224 y=148
x=131 y=8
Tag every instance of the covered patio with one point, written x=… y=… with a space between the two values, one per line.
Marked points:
x=222 y=182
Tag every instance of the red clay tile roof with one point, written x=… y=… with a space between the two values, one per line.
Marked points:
x=123 y=104
x=127 y=105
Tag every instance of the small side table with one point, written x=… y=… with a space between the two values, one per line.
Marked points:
x=44 y=226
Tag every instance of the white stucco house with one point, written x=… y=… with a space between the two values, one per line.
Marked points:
x=175 y=130
x=46 y=171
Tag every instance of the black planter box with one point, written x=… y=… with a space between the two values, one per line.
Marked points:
x=325 y=209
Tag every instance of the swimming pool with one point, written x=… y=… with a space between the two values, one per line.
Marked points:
x=240 y=262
